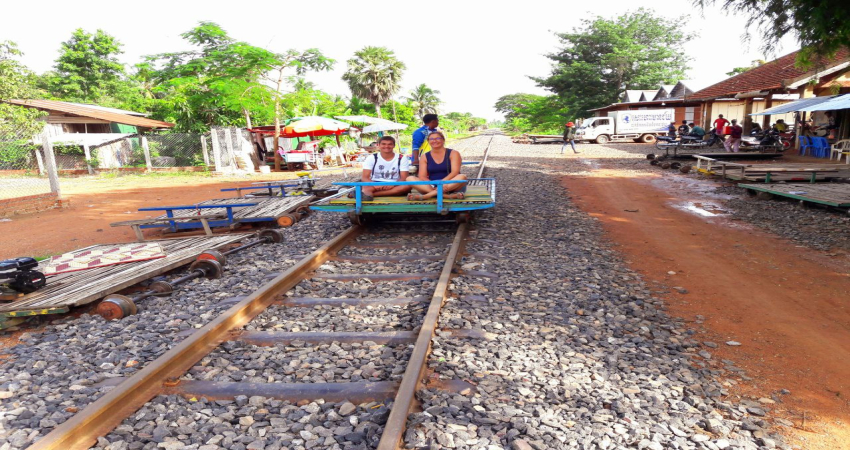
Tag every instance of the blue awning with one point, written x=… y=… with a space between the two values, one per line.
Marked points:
x=796 y=105
x=840 y=102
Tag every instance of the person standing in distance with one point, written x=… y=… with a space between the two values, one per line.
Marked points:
x=734 y=140
x=719 y=126
x=420 y=137
x=569 y=137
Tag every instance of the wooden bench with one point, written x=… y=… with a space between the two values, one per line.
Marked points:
x=136 y=224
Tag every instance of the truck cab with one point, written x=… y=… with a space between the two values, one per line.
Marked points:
x=591 y=129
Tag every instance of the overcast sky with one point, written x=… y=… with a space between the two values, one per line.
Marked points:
x=472 y=52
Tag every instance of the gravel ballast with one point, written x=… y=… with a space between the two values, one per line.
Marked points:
x=581 y=355
x=577 y=354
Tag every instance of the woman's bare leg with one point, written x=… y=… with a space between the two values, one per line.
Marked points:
x=454 y=186
x=422 y=188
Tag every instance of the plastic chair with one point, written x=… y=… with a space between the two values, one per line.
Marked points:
x=821 y=146
x=805 y=144
x=839 y=148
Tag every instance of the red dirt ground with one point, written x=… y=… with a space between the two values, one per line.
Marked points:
x=95 y=203
x=785 y=304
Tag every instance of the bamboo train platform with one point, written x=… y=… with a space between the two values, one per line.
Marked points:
x=830 y=194
x=222 y=212
x=66 y=290
x=267 y=209
x=770 y=172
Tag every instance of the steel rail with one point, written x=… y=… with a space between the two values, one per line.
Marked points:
x=486 y=154
x=397 y=420
x=102 y=416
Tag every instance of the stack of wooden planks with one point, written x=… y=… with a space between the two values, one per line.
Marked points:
x=772 y=171
x=79 y=288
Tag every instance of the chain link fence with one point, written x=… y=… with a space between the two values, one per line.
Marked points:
x=21 y=166
x=171 y=150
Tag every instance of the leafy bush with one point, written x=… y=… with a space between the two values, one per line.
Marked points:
x=15 y=155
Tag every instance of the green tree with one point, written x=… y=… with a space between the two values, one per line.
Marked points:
x=87 y=69
x=515 y=105
x=374 y=74
x=17 y=124
x=224 y=81
x=821 y=26
x=17 y=82
x=424 y=100
x=602 y=58
x=532 y=113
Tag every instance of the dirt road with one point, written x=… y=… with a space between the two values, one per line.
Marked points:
x=785 y=304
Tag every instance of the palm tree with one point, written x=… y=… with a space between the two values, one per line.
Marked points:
x=374 y=74
x=424 y=100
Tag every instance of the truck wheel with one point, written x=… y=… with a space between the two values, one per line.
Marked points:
x=647 y=138
x=602 y=139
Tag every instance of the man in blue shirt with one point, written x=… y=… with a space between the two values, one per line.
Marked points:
x=420 y=136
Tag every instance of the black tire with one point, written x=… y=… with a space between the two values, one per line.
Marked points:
x=675 y=165
x=647 y=138
x=650 y=156
x=355 y=219
x=602 y=139
x=654 y=162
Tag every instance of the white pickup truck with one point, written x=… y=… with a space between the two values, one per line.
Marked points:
x=641 y=125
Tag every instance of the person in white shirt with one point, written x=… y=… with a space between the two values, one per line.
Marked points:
x=386 y=165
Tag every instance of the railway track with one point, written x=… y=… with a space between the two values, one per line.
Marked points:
x=407 y=254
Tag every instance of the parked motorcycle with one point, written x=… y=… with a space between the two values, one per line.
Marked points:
x=770 y=141
x=666 y=142
x=695 y=142
x=688 y=142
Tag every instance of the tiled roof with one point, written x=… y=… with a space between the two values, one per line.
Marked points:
x=767 y=76
x=94 y=113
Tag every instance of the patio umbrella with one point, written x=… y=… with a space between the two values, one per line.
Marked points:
x=361 y=118
x=314 y=126
x=384 y=126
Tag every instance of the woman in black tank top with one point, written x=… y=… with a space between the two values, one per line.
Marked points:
x=438 y=164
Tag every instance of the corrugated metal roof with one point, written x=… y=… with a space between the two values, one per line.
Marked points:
x=840 y=102
x=85 y=111
x=767 y=76
x=108 y=109
x=797 y=105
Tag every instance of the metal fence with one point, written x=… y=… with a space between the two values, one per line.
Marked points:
x=178 y=149
x=23 y=171
x=152 y=151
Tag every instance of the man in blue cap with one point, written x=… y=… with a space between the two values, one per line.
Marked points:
x=420 y=137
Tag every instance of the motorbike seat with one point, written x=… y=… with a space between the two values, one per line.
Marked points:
x=24 y=263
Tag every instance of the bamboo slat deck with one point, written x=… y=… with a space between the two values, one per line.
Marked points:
x=832 y=194
x=772 y=172
x=80 y=288
x=270 y=208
